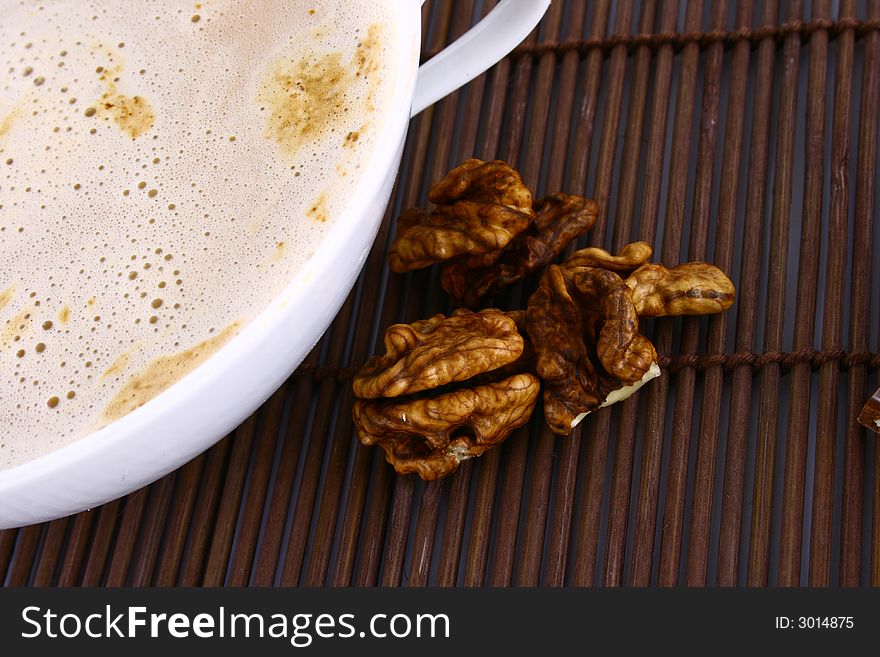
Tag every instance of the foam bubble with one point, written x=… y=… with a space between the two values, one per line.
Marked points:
x=165 y=169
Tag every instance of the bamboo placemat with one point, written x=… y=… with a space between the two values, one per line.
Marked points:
x=742 y=133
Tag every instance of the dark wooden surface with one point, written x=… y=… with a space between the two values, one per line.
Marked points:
x=743 y=133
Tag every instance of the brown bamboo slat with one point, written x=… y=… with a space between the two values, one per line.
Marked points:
x=855 y=455
x=673 y=504
x=567 y=455
x=832 y=323
x=623 y=219
x=796 y=444
x=597 y=432
x=700 y=528
x=747 y=293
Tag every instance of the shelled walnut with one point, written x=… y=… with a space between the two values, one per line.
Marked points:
x=559 y=218
x=584 y=327
x=447 y=389
x=486 y=230
x=433 y=352
x=481 y=207
x=584 y=321
x=694 y=288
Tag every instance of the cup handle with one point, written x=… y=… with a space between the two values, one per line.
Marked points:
x=476 y=50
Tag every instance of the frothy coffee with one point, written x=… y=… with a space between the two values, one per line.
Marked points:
x=165 y=169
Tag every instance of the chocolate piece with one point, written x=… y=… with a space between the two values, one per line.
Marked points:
x=870 y=415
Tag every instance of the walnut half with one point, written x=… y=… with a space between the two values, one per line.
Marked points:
x=447 y=389
x=486 y=230
x=584 y=328
x=481 y=207
x=431 y=435
x=583 y=322
x=559 y=219
x=694 y=288
x=434 y=352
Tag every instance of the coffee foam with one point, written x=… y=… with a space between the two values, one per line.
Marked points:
x=165 y=169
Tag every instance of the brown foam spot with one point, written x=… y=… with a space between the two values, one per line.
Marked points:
x=366 y=57
x=118 y=365
x=304 y=97
x=368 y=62
x=64 y=314
x=307 y=96
x=318 y=211
x=132 y=114
x=7 y=121
x=280 y=250
x=351 y=139
x=6 y=296
x=16 y=326
x=162 y=372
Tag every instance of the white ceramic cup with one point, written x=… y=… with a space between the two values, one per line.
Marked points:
x=204 y=406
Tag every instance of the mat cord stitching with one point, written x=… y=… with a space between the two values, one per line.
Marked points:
x=678 y=40
x=805 y=29
x=787 y=359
